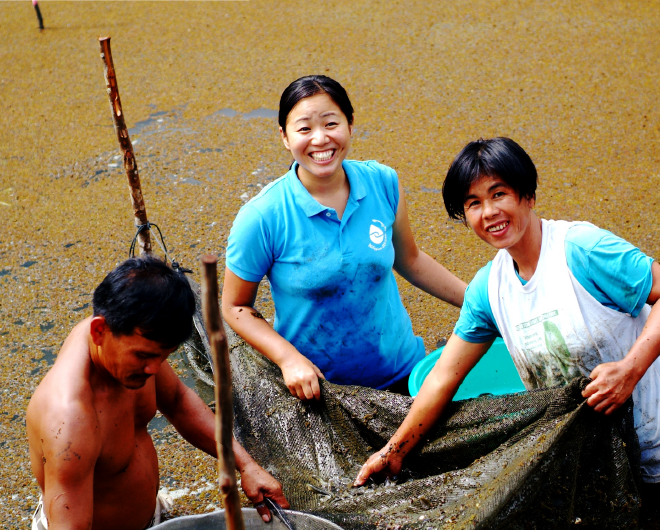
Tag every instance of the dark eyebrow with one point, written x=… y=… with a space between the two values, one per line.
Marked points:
x=490 y=189
x=324 y=115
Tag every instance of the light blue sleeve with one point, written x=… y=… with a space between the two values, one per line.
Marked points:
x=248 y=246
x=387 y=178
x=613 y=271
x=476 y=322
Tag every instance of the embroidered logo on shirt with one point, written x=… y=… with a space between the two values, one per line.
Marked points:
x=377 y=233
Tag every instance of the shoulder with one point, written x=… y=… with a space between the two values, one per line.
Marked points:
x=586 y=236
x=263 y=209
x=476 y=322
x=585 y=242
x=377 y=179
x=268 y=198
x=478 y=287
x=66 y=392
x=61 y=419
x=370 y=168
x=615 y=272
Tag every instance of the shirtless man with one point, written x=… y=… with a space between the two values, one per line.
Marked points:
x=87 y=421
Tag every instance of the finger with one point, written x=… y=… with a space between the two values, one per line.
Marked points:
x=309 y=392
x=600 y=402
x=363 y=475
x=263 y=511
x=293 y=390
x=594 y=399
x=279 y=498
x=592 y=388
x=613 y=407
x=300 y=392
x=316 y=388
x=319 y=373
x=360 y=479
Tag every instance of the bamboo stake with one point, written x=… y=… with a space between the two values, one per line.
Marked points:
x=224 y=415
x=130 y=164
x=35 y=3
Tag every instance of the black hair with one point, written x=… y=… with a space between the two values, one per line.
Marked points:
x=496 y=157
x=308 y=86
x=145 y=295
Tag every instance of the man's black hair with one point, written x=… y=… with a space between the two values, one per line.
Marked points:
x=497 y=157
x=309 y=86
x=145 y=295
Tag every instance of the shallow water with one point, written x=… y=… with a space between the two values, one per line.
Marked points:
x=575 y=84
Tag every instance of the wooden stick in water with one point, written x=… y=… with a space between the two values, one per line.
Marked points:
x=35 y=3
x=224 y=414
x=130 y=164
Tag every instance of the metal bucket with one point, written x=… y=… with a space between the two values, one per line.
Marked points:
x=252 y=519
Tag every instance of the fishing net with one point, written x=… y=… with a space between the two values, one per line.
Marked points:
x=540 y=459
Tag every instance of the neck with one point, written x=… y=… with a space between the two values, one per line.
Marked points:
x=527 y=251
x=99 y=374
x=332 y=191
x=326 y=186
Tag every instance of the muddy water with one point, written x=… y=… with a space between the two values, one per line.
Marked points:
x=577 y=86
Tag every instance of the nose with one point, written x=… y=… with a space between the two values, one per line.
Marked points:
x=490 y=209
x=152 y=366
x=318 y=136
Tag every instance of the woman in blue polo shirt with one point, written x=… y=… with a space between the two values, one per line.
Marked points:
x=327 y=235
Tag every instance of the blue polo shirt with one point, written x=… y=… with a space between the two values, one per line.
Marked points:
x=336 y=298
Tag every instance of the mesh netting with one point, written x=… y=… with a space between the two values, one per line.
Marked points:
x=540 y=459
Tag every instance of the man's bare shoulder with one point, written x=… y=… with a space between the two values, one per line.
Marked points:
x=65 y=395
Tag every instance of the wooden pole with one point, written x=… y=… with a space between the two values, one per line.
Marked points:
x=35 y=3
x=224 y=415
x=130 y=164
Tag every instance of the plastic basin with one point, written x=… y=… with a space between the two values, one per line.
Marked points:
x=251 y=519
x=494 y=374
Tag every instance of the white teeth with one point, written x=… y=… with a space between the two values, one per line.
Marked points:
x=498 y=227
x=322 y=156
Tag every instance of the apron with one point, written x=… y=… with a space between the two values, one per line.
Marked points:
x=556 y=331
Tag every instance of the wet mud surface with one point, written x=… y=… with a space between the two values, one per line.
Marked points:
x=576 y=86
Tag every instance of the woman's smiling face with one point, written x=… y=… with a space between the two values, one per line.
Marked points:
x=318 y=136
x=496 y=213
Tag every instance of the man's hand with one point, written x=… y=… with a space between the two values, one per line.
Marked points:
x=612 y=384
x=384 y=462
x=257 y=483
x=301 y=376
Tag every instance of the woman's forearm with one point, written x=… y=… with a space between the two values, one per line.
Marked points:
x=253 y=328
x=429 y=276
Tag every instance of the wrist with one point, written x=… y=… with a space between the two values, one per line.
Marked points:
x=287 y=356
x=634 y=365
x=248 y=468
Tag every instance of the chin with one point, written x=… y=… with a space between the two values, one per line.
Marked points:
x=135 y=384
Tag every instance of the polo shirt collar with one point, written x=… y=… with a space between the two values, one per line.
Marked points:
x=309 y=204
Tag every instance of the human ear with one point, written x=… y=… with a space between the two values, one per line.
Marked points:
x=97 y=328
x=285 y=140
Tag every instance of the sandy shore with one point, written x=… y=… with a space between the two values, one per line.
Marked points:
x=576 y=86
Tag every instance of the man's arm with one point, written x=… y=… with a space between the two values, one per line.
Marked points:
x=71 y=445
x=195 y=421
x=613 y=383
x=440 y=386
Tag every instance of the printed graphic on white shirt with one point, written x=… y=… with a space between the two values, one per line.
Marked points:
x=548 y=357
x=377 y=235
